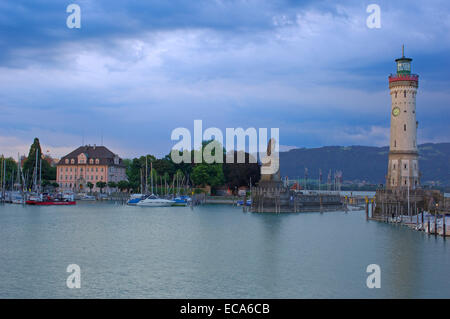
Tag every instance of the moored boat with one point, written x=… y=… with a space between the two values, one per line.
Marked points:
x=181 y=200
x=135 y=198
x=46 y=200
x=51 y=202
x=155 y=201
x=241 y=202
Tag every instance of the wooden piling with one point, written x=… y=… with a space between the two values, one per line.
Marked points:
x=435 y=224
x=371 y=208
x=444 y=228
x=367 y=209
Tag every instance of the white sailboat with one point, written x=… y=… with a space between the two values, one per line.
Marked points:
x=153 y=200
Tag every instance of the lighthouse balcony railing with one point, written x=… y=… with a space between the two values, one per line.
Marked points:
x=403 y=77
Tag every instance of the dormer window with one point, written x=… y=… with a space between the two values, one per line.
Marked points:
x=67 y=161
x=97 y=161
x=91 y=161
x=72 y=161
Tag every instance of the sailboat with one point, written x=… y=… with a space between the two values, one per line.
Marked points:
x=153 y=200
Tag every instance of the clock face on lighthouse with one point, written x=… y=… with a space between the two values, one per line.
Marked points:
x=395 y=111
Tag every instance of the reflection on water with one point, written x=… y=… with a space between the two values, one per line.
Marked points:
x=213 y=251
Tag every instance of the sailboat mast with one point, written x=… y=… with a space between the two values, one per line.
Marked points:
x=35 y=172
x=151 y=175
x=1 y=176
x=18 y=170
x=40 y=173
x=146 y=175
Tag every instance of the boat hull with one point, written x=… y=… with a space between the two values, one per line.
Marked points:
x=133 y=201
x=49 y=203
x=155 y=204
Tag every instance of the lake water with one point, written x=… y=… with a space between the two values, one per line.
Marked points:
x=212 y=251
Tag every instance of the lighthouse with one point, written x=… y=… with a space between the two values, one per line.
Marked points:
x=403 y=166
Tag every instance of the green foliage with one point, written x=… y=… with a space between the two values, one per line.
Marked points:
x=208 y=174
x=112 y=184
x=48 y=172
x=45 y=183
x=202 y=174
x=100 y=185
x=90 y=185
x=123 y=185
x=240 y=174
x=11 y=168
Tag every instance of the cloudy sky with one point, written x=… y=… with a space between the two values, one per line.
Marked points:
x=136 y=70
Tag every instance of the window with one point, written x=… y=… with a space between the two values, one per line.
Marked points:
x=67 y=161
x=72 y=161
x=405 y=166
x=97 y=161
x=395 y=143
x=404 y=127
x=395 y=94
x=404 y=93
x=394 y=166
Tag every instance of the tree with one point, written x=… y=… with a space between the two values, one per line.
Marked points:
x=239 y=174
x=100 y=185
x=48 y=172
x=123 y=185
x=112 y=185
x=90 y=186
x=45 y=183
x=208 y=174
x=200 y=175
x=11 y=168
x=55 y=184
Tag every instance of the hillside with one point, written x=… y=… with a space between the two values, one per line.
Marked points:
x=364 y=163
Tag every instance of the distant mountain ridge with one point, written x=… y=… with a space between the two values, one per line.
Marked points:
x=364 y=163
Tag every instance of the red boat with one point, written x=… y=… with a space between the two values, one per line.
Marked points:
x=52 y=202
x=47 y=200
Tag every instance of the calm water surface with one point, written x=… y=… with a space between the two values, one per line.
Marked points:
x=212 y=251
